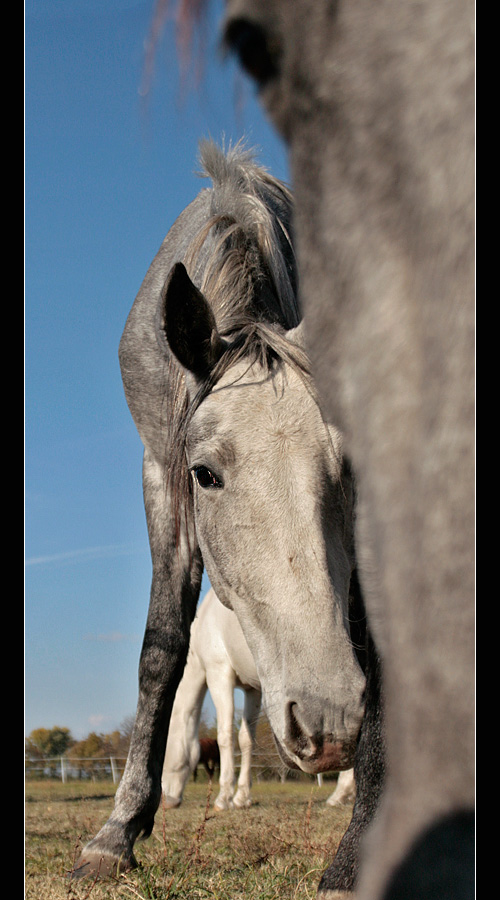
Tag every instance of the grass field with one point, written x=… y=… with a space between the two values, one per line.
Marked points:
x=277 y=849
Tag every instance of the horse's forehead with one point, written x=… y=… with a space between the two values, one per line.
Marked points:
x=273 y=415
x=246 y=395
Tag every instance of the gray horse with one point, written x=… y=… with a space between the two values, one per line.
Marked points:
x=241 y=474
x=376 y=103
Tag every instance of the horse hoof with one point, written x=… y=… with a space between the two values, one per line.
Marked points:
x=334 y=895
x=223 y=805
x=95 y=865
x=171 y=802
x=242 y=804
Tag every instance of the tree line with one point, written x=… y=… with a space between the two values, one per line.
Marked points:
x=48 y=743
x=54 y=752
x=47 y=749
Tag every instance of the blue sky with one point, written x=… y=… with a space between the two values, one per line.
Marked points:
x=104 y=181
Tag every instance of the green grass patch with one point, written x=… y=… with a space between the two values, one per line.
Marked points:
x=276 y=849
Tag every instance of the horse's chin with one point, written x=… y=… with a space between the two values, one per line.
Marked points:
x=331 y=757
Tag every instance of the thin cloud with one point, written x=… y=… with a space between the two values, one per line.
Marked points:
x=111 y=637
x=71 y=557
x=97 y=720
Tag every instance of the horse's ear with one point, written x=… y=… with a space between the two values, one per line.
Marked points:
x=297 y=335
x=189 y=324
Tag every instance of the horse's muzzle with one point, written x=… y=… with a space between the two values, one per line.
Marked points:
x=329 y=757
x=317 y=752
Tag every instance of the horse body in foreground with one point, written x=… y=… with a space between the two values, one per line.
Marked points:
x=219 y=660
x=241 y=474
x=376 y=103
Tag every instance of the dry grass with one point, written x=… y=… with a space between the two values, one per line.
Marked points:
x=275 y=850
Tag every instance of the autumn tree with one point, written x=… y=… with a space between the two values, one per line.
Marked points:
x=44 y=743
x=48 y=743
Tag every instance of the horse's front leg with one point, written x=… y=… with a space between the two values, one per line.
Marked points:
x=341 y=876
x=183 y=745
x=221 y=687
x=177 y=571
x=246 y=740
x=345 y=792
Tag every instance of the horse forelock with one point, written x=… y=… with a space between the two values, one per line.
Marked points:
x=249 y=266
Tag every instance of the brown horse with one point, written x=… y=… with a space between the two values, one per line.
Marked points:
x=209 y=756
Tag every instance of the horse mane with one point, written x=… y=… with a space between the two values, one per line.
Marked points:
x=243 y=261
x=248 y=266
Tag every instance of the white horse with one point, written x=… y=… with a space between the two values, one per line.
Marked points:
x=220 y=660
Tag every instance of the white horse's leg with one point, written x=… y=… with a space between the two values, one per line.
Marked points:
x=183 y=746
x=246 y=739
x=345 y=792
x=221 y=687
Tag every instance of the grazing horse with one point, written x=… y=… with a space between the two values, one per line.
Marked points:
x=241 y=474
x=209 y=756
x=219 y=660
x=376 y=104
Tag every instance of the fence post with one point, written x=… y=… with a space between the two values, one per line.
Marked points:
x=63 y=771
x=113 y=769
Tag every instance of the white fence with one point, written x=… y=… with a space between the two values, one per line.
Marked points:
x=97 y=768
x=85 y=768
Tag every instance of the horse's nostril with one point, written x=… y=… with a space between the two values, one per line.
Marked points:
x=302 y=743
x=309 y=745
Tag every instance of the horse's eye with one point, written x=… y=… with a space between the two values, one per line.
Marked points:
x=206 y=478
x=250 y=44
